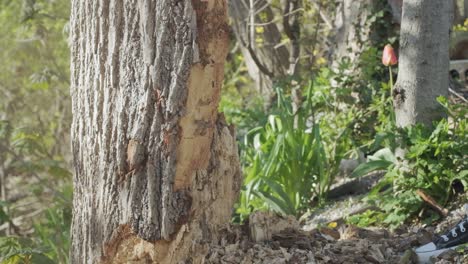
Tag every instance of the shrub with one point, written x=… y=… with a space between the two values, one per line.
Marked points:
x=294 y=157
x=434 y=160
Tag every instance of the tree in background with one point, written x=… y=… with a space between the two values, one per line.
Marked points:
x=156 y=167
x=259 y=37
x=35 y=118
x=424 y=61
x=280 y=40
x=284 y=39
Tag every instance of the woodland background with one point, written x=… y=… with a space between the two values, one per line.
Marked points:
x=304 y=86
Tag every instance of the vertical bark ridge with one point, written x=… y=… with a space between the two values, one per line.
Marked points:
x=146 y=136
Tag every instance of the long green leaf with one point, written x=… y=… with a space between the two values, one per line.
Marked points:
x=275 y=203
x=373 y=165
x=278 y=190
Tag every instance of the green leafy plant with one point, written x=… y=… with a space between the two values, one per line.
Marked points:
x=34 y=130
x=381 y=160
x=434 y=160
x=368 y=218
x=294 y=157
x=49 y=242
x=54 y=233
x=16 y=250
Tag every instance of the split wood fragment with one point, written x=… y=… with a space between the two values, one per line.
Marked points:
x=429 y=200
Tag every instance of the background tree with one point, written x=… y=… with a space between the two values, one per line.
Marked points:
x=156 y=167
x=279 y=39
x=257 y=34
x=424 y=61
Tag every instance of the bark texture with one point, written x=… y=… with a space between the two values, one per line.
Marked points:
x=424 y=61
x=396 y=6
x=156 y=167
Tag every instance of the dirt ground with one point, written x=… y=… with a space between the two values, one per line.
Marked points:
x=269 y=238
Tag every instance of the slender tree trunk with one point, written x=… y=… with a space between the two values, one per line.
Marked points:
x=396 y=6
x=465 y=5
x=352 y=30
x=424 y=61
x=156 y=166
x=5 y=163
x=264 y=61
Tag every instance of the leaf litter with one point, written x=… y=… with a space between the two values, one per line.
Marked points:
x=273 y=239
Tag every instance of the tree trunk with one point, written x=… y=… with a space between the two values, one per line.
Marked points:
x=424 y=61
x=156 y=166
x=352 y=30
x=396 y=6
x=465 y=5
x=265 y=62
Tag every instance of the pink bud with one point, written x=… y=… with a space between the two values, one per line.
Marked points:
x=389 y=58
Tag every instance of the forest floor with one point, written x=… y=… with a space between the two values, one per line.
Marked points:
x=324 y=237
x=342 y=244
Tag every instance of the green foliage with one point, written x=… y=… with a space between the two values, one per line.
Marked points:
x=461 y=27
x=17 y=250
x=374 y=115
x=290 y=156
x=240 y=103
x=294 y=157
x=368 y=218
x=35 y=119
x=53 y=232
x=434 y=160
x=50 y=242
x=381 y=160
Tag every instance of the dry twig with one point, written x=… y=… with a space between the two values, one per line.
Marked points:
x=429 y=200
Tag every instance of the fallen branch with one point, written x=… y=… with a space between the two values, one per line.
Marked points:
x=458 y=95
x=355 y=186
x=428 y=199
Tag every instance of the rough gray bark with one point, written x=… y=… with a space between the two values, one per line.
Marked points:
x=156 y=167
x=396 y=6
x=423 y=62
